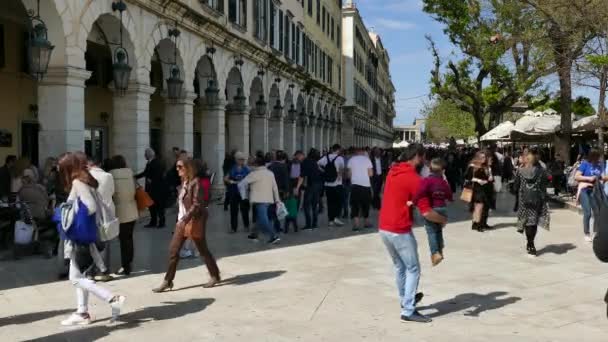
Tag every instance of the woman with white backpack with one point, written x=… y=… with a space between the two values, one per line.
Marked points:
x=78 y=225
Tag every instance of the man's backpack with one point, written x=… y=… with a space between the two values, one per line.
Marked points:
x=330 y=173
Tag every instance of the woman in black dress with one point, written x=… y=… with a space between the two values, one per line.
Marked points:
x=480 y=179
x=533 y=211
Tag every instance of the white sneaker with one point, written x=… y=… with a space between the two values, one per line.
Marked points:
x=588 y=238
x=338 y=223
x=117 y=305
x=77 y=319
x=185 y=253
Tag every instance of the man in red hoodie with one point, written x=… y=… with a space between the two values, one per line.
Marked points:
x=395 y=227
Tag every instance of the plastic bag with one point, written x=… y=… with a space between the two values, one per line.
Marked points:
x=281 y=211
x=24 y=233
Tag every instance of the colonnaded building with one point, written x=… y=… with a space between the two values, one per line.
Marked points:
x=207 y=76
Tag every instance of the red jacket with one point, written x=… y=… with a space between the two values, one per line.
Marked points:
x=402 y=184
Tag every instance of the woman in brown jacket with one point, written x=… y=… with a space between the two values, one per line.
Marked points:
x=191 y=222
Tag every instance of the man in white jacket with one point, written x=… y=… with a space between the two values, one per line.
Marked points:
x=106 y=191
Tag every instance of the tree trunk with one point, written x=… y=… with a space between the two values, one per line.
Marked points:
x=602 y=110
x=562 y=140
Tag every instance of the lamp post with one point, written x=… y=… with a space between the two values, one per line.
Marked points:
x=39 y=48
x=121 y=70
x=174 y=82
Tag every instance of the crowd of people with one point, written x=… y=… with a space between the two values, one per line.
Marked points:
x=268 y=191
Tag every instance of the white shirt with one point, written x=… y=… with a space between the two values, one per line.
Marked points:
x=378 y=165
x=339 y=162
x=106 y=186
x=181 y=208
x=359 y=167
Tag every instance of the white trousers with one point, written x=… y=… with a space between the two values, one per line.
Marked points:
x=84 y=286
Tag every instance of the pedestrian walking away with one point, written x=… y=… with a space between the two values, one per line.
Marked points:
x=359 y=170
x=333 y=169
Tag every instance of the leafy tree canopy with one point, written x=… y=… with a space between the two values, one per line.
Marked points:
x=444 y=119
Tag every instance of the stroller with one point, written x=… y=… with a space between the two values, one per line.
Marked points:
x=31 y=236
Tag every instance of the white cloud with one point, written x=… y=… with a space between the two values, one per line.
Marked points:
x=391 y=24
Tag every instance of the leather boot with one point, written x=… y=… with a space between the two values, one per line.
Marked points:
x=164 y=286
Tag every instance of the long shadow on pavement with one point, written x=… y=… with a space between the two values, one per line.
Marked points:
x=32 y=317
x=558 y=249
x=242 y=279
x=170 y=310
x=474 y=302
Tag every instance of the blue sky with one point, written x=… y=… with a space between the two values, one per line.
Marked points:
x=402 y=26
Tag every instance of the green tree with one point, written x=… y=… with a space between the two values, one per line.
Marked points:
x=444 y=119
x=500 y=62
x=566 y=27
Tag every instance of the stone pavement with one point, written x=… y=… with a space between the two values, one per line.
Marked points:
x=333 y=285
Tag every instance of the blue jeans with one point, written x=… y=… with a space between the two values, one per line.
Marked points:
x=585 y=198
x=403 y=249
x=312 y=197
x=434 y=232
x=262 y=219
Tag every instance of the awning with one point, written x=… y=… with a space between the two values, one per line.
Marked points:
x=500 y=132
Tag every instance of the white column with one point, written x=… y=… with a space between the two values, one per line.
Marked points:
x=238 y=124
x=275 y=128
x=310 y=134
x=131 y=125
x=61 y=111
x=290 y=130
x=213 y=141
x=319 y=138
x=178 y=125
x=259 y=133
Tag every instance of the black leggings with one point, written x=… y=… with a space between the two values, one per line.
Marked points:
x=531 y=233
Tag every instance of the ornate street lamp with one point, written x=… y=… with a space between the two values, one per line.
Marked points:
x=260 y=106
x=292 y=113
x=211 y=93
x=121 y=70
x=278 y=108
x=174 y=82
x=39 y=48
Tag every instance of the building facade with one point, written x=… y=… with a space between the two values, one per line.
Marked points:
x=207 y=76
x=369 y=109
x=411 y=133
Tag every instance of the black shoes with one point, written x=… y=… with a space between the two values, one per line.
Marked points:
x=416 y=317
x=531 y=250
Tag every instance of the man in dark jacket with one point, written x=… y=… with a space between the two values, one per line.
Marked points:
x=5 y=176
x=156 y=188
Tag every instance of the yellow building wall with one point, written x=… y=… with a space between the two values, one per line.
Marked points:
x=17 y=90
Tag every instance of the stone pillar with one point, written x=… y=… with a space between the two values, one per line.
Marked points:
x=291 y=136
x=327 y=135
x=178 y=124
x=61 y=111
x=259 y=133
x=310 y=134
x=131 y=125
x=275 y=133
x=319 y=139
x=238 y=123
x=213 y=141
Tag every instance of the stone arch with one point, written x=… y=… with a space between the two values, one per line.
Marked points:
x=300 y=106
x=234 y=81
x=310 y=110
x=274 y=100
x=256 y=92
x=288 y=103
x=91 y=14
x=160 y=46
x=105 y=31
x=203 y=74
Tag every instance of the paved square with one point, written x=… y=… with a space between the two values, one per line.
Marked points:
x=333 y=285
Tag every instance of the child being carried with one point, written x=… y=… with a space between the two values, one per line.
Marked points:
x=437 y=190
